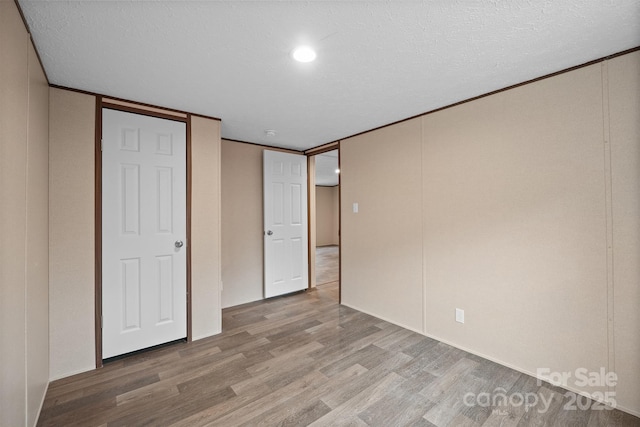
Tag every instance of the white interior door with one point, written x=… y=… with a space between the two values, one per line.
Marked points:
x=144 y=272
x=285 y=223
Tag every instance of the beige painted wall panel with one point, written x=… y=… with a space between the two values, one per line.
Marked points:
x=72 y=244
x=37 y=315
x=13 y=142
x=205 y=228
x=624 y=107
x=311 y=181
x=71 y=232
x=515 y=226
x=382 y=244
x=326 y=216
x=242 y=223
x=336 y=214
x=242 y=242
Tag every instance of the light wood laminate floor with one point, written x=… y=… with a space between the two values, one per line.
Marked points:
x=304 y=360
x=327 y=264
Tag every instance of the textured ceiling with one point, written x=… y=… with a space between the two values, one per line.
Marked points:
x=378 y=61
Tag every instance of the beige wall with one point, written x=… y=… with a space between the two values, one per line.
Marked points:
x=242 y=242
x=506 y=214
x=72 y=237
x=623 y=85
x=37 y=263
x=206 y=264
x=326 y=216
x=311 y=182
x=515 y=225
x=23 y=224
x=242 y=223
x=336 y=214
x=72 y=232
x=13 y=163
x=382 y=243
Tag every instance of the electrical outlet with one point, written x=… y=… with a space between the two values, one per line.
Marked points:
x=459 y=315
x=355 y=208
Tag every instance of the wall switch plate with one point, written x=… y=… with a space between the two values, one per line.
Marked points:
x=355 y=208
x=459 y=315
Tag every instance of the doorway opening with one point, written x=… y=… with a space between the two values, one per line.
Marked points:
x=326 y=212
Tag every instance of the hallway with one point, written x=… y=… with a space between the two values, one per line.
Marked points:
x=327 y=264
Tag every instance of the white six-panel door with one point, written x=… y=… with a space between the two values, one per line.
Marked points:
x=285 y=223
x=143 y=232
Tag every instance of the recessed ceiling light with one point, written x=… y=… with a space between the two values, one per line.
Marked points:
x=303 y=54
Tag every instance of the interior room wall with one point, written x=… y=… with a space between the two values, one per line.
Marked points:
x=528 y=206
x=72 y=236
x=326 y=216
x=24 y=192
x=72 y=232
x=13 y=163
x=336 y=214
x=37 y=262
x=206 y=238
x=242 y=223
x=381 y=245
x=623 y=86
x=515 y=225
x=311 y=184
x=242 y=242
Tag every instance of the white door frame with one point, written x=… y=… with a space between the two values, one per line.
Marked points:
x=137 y=109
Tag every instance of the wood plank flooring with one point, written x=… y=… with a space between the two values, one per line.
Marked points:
x=304 y=360
x=327 y=264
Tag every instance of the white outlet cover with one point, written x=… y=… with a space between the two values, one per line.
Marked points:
x=459 y=315
x=355 y=208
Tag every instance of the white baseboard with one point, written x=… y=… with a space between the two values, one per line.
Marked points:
x=70 y=374
x=201 y=337
x=44 y=396
x=383 y=318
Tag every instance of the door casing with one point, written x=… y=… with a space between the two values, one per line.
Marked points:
x=101 y=103
x=310 y=187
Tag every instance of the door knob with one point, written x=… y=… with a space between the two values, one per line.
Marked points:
x=179 y=243
x=269 y=233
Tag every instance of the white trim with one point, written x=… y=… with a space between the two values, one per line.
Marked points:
x=201 y=337
x=72 y=373
x=383 y=318
x=44 y=395
x=629 y=411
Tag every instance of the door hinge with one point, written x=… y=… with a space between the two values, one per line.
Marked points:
x=101 y=142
